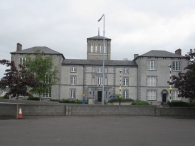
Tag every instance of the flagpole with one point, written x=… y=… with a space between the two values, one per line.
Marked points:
x=103 y=75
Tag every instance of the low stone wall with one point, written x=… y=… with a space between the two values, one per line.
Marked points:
x=9 y=110
x=175 y=111
x=109 y=110
x=43 y=110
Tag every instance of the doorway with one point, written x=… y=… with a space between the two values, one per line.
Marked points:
x=99 y=96
x=164 y=97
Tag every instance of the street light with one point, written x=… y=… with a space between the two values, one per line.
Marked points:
x=120 y=89
x=170 y=89
x=103 y=57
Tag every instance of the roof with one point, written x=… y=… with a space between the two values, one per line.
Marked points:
x=98 y=62
x=32 y=50
x=98 y=37
x=160 y=53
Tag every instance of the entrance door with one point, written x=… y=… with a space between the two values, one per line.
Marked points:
x=99 y=96
x=164 y=97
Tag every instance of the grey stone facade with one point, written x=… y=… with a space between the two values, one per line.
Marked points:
x=144 y=78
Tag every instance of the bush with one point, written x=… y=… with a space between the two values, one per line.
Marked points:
x=33 y=98
x=140 y=103
x=120 y=99
x=4 y=97
x=181 y=104
x=72 y=101
x=55 y=100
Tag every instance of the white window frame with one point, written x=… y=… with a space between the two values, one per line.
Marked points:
x=99 y=69
x=151 y=81
x=73 y=93
x=126 y=71
x=91 y=47
x=125 y=93
x=72 y=80
x=151 y=95
x=125 y=81
x=151 y=65
x=105 y=49
x=73 y=69
x=99 y=81
x=47 y=93
x=176 y=65
x=22 y=61
x=100 y=49
x=96 y=48
x=175 y=95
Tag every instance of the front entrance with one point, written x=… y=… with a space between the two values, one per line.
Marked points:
x=99 y=96
x=164 y=97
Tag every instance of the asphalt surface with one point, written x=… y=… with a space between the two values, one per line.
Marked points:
x=97 y=131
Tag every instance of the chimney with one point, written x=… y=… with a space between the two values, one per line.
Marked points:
x=136 y=55
x=19 y=47
x=178 y=52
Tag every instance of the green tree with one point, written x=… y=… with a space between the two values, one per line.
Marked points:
x=42 y=67
x=185 y=82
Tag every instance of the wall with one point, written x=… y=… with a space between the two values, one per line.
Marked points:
x=9 y=110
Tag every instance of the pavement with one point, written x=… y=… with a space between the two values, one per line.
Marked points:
x=98 y=131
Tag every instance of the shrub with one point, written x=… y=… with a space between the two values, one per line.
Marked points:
x=4 y=97
x=33 y=98
x=140 y=103
x=72 y=101
x=122 y=100
x=181 y=104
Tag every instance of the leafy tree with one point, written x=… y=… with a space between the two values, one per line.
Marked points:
x=185 y=82
x=43 y=69
x=16 y=81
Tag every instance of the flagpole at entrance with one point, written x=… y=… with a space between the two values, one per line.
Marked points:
x=103 y=58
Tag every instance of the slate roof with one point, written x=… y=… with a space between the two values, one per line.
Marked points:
x=160 y=53
x=44 y=49
x=98 y=37
x=98 y=62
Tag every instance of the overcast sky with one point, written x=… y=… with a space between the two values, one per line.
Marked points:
x=135 y=26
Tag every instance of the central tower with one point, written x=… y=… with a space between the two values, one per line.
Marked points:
x=95 y=48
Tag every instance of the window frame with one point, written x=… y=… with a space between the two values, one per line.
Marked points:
x=125 y=81
x=151 y=66
x=73 y=92
x=73 y=69
x=175 y=66
x=125 y=93
x=73 y=80
x=149 y=98
x=152 y=83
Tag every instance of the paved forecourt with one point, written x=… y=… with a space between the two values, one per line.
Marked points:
x=97 y=131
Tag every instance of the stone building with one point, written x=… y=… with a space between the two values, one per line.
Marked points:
x=144 y=78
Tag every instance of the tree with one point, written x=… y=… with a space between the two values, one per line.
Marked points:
x=43 y=69
x=14 y=79
x=185 y=82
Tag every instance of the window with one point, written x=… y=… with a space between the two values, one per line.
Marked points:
x=105 y=49
x=73 y=69
x=47 y=93
x=95 y=48
x=22 y=60
x=151 y=94
x=175 y=95
x=125 y=71
x=125 y=94
x=100 y=48
x=73 y=80
x=99 y=69
x=151 y=81
x=99 y=81
x=151 y=65
x=177 y=66
x=91 y=47
x=125 y=81
x=72 y=93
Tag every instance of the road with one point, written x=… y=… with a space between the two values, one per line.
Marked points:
x=97 y=131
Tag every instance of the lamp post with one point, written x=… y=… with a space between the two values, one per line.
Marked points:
x=103 y=57
x=120 y=89
x=170 y=89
